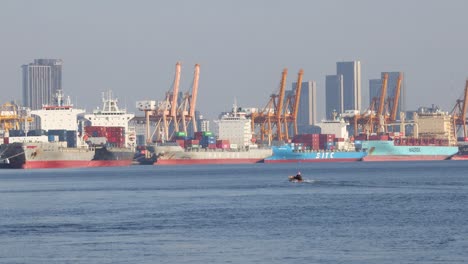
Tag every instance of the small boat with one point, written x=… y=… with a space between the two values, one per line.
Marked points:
x=293 y=179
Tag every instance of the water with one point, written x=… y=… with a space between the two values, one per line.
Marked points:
x=407 y=212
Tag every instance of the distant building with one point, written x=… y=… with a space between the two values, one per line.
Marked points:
x=307 y=112
x=351 y=72
x=41 y=81
x=391 y=88
x=375 y=85
x=203 y=124
x=333 y=95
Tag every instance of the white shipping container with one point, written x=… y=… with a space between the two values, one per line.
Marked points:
x=233 y=146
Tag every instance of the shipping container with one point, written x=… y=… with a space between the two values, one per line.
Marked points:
x=181 y=143
x=233 y=146
x=61 y=133
x=71 y=138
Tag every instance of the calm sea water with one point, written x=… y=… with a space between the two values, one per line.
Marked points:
x=407 y=212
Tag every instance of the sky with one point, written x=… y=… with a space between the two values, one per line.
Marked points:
x=131 y=47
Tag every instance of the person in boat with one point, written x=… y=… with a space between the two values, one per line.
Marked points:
x=298 y=176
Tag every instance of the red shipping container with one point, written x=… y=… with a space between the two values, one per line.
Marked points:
x=181 y=142
x=211 y=146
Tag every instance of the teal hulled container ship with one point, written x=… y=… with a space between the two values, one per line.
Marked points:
x=398 y=150
x=286 y=153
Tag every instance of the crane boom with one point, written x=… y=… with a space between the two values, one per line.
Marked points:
x=175 y=92
x=279 y=107
x=298 y=92
x=193 y=100
x=383 y=94
x=297 y=98
x=396 y=97
x=463 y=113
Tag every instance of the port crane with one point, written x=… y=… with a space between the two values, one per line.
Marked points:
x=270 y=115
x=459 y=112
x=274 y=120
x=381 y=112
x=11 y=117
x=186 y=110
x=172 y=114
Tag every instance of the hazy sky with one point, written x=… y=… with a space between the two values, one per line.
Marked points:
x=131 y=47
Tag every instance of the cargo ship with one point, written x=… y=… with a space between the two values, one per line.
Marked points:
x=432 y=140
x=180 y=156
x=233 y=146
x=57 y=144
x=288 y=154
x=331 y=145
x=400 y=150
x=109 y=133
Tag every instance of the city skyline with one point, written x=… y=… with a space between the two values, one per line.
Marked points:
x=132 y=49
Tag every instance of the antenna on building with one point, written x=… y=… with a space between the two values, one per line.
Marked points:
x=234 y=107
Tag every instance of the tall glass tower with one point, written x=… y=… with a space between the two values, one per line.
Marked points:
x=307 y=112
x=333 y=95
x=41 y=80
x=351 y=72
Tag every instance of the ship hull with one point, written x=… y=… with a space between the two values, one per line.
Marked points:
x=285 y=154
x=384 y=150
x=206 y=161
x=460 y=157
x=213 y=157
x=312 y=160
x=52 y=155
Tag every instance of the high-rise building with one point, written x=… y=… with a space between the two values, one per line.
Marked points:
x=351 y=72
x=41 y=81
x=307 y=112
x=391 y=89
x=375 y=87
x=333 y=95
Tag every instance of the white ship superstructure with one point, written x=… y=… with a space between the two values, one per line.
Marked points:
x=60 y=116
x=112 y=116
x=236 y=128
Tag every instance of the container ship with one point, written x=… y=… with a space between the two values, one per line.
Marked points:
x=109 y=133
x=289 y=154
x=234 y=145
x=57 y=144
x=332 y=145
x=432 y=140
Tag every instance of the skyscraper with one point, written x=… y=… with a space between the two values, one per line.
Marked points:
x=351 y=72
x=391 y=89
x=41 y=80
x=375 y=85
x=307 y=112
x=333 y=95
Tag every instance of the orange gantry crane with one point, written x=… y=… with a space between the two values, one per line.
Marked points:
x=274 y=119
x=292 y=106
x=459 y=112
x=186 y=112
x=168 y=114
x=372 y=121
